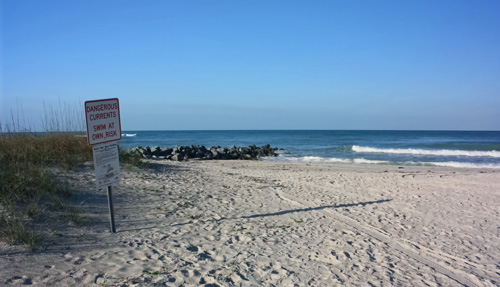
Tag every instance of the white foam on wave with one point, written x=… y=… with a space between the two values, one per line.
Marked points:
x=129 y=135
x=318 y=159
x=362 y=160
x=443 y=152
x=307 y=159
x=324 y=159
x=464 y=164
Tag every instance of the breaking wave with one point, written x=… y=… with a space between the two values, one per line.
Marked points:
x=443 y=152
x=317 y=159
x=464 y=164
x=129 y=135
x=325 y=160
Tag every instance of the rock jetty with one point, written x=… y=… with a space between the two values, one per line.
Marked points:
x=183 y=153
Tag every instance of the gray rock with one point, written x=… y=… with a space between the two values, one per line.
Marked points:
x=176 y=157
x=180 y=153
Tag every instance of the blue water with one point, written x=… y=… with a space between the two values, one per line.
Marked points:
x=468 y=149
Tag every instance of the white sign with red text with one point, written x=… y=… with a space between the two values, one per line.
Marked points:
x=103 y=121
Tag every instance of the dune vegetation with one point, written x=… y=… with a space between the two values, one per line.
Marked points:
x=29 y=188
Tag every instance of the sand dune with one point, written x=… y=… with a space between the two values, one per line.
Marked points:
x=249 y=223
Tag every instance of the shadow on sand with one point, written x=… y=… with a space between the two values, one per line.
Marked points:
x=314 y=208
x=296 y=210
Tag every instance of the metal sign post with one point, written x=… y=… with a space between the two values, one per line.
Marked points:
x=111 y=214
x=103 y=128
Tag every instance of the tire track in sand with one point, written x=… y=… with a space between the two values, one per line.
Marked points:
x=403 y=248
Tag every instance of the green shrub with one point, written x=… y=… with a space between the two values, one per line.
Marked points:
x=130 y=158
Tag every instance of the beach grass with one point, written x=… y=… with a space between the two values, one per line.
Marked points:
x=28 y=188
x=128 y=159
x=27 y=185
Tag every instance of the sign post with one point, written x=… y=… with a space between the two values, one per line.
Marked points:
x=103 y=128
x=111 y=214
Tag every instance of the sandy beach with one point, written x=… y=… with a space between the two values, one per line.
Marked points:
x=257 y=223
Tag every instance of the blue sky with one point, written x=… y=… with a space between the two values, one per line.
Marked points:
x=183 y=65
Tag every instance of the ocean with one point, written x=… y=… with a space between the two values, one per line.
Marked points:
x=465 y=149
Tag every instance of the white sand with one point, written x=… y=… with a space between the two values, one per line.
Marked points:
x=247 y=223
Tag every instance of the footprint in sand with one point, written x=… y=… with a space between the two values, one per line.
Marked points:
x=19 y=280
x=192 y=248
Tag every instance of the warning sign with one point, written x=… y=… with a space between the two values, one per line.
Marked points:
x=107 y=164
x=103 y=121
